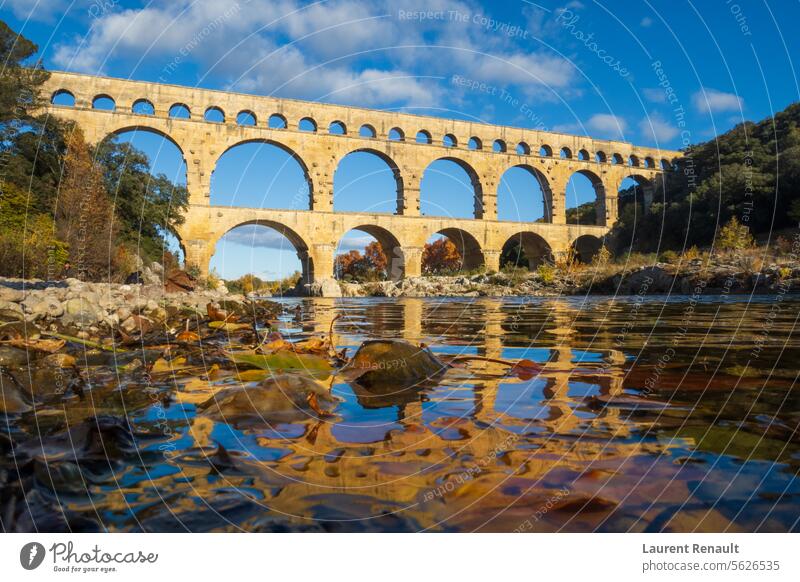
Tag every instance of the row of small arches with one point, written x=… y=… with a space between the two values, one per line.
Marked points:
x=215 y=114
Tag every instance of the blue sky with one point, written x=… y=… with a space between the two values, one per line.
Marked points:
x=625 y=70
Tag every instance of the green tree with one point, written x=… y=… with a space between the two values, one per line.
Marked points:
x=146 y=206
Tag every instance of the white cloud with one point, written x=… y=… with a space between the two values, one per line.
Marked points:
x=646 y=22
x=714 y=101
x=607 y=124
x=655 y=129
x=40 y=10
x=342 y=50
x=258 y=236
x=654 y=95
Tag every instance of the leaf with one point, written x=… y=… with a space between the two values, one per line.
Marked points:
x=188 y=337
x=87 y=343
x=253 y=375
x=215 y=314
x=228 y=326
x=314 y=365
x=525 y=369
x=161 y=366
x=49 y=346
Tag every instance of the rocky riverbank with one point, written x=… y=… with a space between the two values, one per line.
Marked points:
x=717 y=277
x=86 y=308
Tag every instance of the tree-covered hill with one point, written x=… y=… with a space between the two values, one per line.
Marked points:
x=751 y=172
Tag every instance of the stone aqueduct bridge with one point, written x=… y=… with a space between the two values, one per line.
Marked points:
x=316 y=232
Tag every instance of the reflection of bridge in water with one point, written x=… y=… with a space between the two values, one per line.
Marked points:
x=407 y=457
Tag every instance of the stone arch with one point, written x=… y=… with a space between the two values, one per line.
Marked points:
x=600 y=195
x=424 y=136
x=600 y=157
x=367 y=131
x=475 y=143
x=337 y=128
x=214 y=114
x=545 y=151
x=391 y=246
x=544 y=185
x=307 y=124
x=179 y=111
x=126 y=128
x=523 y=149
x=649 y=163
x=63 y=95
x=143 y=107
x=277 y=121
x=450 y=141
x=300 y=245
x=475 y=183
x=286 y=149
x=396 y=134
x=499 y=146
x=633 y=161
x=583 y=155
x=468 y=247
x=247 y=118
x=535 y=250
x=396 y=174
x=104 y=102
x=565 y=153
x=616 y=159
x=586 y=247
x=644 y=191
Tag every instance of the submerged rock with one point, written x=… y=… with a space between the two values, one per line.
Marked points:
x=391 y=364
x=280 y=398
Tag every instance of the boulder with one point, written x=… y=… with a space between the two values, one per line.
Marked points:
x=47 y=308
x=325 y=288
x=10 y=294
x=11 y=307
x=81 y=312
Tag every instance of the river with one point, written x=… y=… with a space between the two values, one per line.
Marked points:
x=649 y=414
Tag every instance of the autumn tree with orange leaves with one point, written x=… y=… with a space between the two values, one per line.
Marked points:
x=441 y=256
x=83 y=212
x=370 y=266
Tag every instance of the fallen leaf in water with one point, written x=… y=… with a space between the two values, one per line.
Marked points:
x=253 y=375
x=161 y=366
x=59 y=361
x=285 y=361
x=49 y=346
x=525 y=369
x=228 y=326
x=188 y=337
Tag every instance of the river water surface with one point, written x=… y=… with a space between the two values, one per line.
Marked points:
x=649 y=414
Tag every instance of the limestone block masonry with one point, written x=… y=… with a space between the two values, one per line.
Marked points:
x=315 y=230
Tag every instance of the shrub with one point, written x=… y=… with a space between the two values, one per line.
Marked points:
x=669 y=256
x=603 y=257
x=33 y=251
x=734 y=236
x=691 y=254
x=546 y=273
